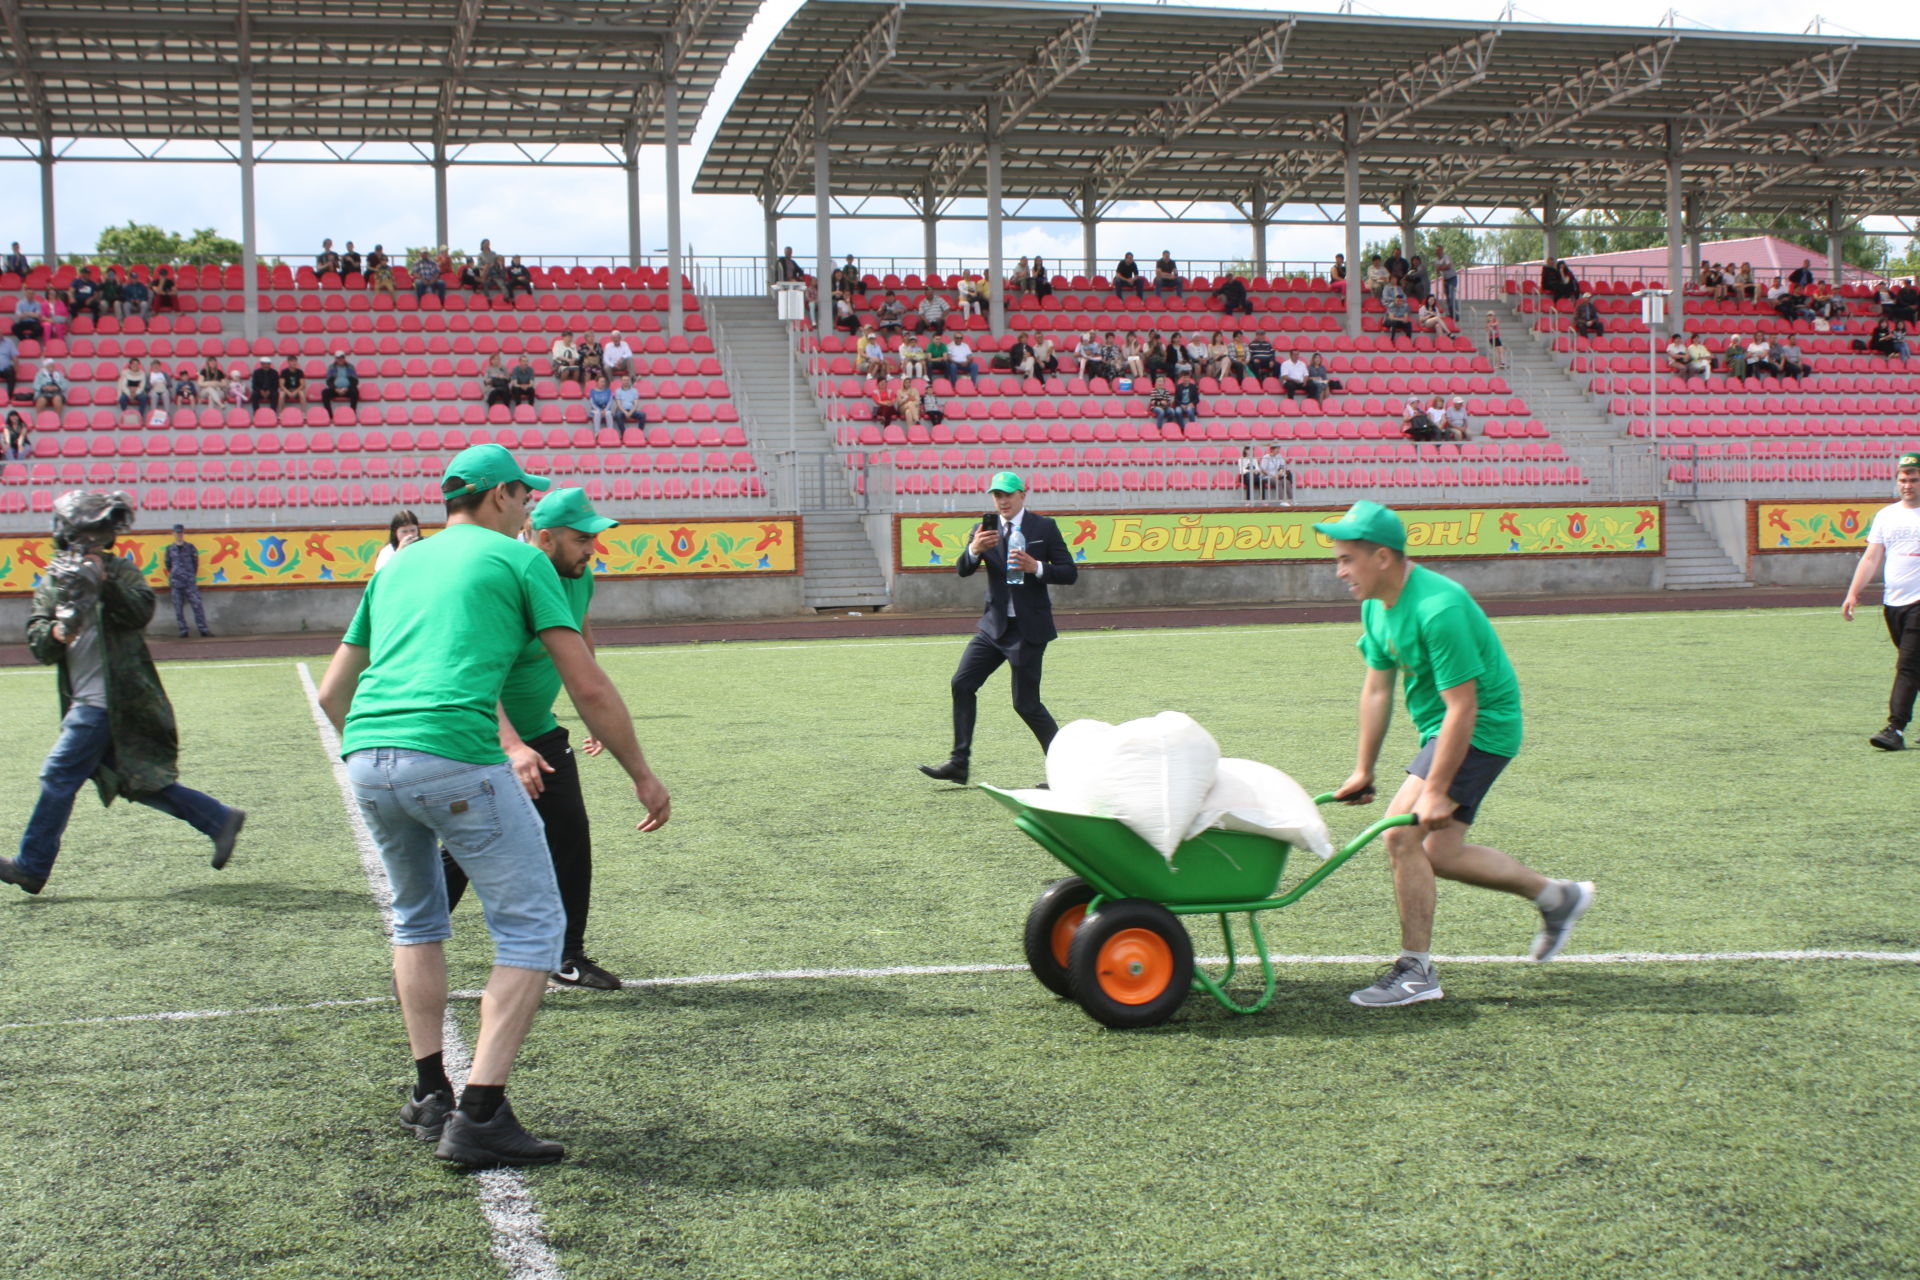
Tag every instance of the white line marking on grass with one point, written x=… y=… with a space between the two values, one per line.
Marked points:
x=190 y=1015
x=181 y=664
x=519 y=1232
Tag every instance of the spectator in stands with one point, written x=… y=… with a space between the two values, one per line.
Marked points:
x=1238 y=356
x=57 y=314
x=1021 y=280
x=486 y=259
x=1887 y=341
x=50 y=386
x=264 y=386
x=29 y=319
x=239 y=386
x=1415 y=282
x=213 y=381
x=166 y=290
x=16 y=263
x=960 y=359
x=1396 y=265
x=341 y=381
x=1087 y=353
x=1166 y=277
x=1792 y=361
x=1437 y=417
x=1040 y=282
x=600 y=405
x=592 y=363
x=18 y=437
x=1894 y=305
x=403 y=530
x=380 y=279
x=884 y=400
x=1433 y=320
x=1261 y=361
x=938 y=363
x=1319 y=381
x=113 y=293
x=1496 y=349
x=1802 y=277
x=1448 y=273
x=847 y=279
x=519 y=278
x=1413 y=419
x=786 y=269
x=133 y=387
x=1186 y=398
x=1046 y=360
x=326 y=260
x=869 y=354
x=1550 y=278
x=84 y=294
x=1160 y=402
x=9 y=364
x=1126 y=275
x=1826 y=304
x=626 y=406
x=565 y=355
x=1586 y=319
x=890 y=315
x=293 y=382
x=1700 y=357
x=1197 y=353
x=427 y=278
x=1276 y=477
x=1018 y=357
x=1113 y=357
x=1293 y=375
x=1179 y=358
x=1155 y=360
x=520 y=388
x=933 y=312
x=908 y=404
x=1677 y=355
x=1459 y=426
x=913 y=358
x=1713 y=281
x=1376 y=277
x=616 y=356
x=1908 y=297
x=975 y=294
x=1786 y=301
x=1249 y=467
x=350 y=261
x=843 y=314
x=136 y=298
x=933 y=407
x=1232 y=293
x=186 y=386
x=1734 y=358
x=377 y=259
x=1339 y=271
x=1218 y=362
x=159 y=389
x=1566 y=283
x=1134 y=357
x=493 y=381
x=1399 y=320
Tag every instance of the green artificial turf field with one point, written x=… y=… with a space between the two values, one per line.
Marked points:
x=1718 y=1118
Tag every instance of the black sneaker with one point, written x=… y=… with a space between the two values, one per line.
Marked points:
x=11 y=873
x=579 y=971
x=500 y=1140
x=427 y=1116
x=1889 y=739
x=223 y=843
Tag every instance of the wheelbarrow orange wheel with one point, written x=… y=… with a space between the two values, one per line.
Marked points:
x=1131 y=963
x=1055 y=917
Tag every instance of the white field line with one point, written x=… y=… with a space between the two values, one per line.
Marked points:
x=942 y=970
x=181 y=664
x=519 y=1232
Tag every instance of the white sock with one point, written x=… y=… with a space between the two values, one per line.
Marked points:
x=1422 y=958
x=1553 y=896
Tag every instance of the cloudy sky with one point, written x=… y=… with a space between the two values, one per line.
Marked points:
x=298 y=205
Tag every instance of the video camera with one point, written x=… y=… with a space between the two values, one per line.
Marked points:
x=85 y=523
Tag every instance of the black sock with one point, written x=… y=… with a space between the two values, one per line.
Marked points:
x=480 y=1101
x=432 y=1076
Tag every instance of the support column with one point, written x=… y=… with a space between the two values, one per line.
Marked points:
x=1259 y=220
x=1676 y=267
x=441 y=233
x=1409 y=224
x=822 y=225
x=49 y=252
x=1089 y=230
x=773 y=242
x=996 y=265
x=1693 y=234
x=1550 y=224
x=670 y=127
x=1836 y=244
x=930 y=234
x=1356 y=269
x=633 y=204
x=249 y=278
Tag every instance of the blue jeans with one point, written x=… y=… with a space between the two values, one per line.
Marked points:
x=413 y=803
x=86 y=735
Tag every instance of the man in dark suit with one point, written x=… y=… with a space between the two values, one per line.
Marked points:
x=1018 y=622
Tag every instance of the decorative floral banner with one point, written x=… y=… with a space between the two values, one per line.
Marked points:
x=332 y=557
x=1809 y=526
x=930 y=543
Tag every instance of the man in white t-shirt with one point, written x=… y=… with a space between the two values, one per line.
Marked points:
x=616 y=356
x=1293 y=374
x=1894 y=540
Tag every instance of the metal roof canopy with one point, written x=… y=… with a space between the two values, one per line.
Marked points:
x=1099 y=104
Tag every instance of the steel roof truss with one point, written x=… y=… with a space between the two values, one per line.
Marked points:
x=1859 y=126
x=1019 y=93
x=851 y=73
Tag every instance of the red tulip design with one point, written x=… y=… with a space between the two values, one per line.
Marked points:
x=682 y=542
x=771 y=536
x=1508 y=525
x=1577 y=525
x=317 y=545
x=927 y=534
x=30 y=554
x=1777 y=519
x=225 y=549
x=1849 y=522
x=1647 y=520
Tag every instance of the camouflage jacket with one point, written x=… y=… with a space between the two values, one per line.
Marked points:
x=146 y=746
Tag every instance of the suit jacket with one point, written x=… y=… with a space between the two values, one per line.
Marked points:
x=1032 y=620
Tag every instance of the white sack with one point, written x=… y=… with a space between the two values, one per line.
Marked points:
x=1153 y=774
x=1076 y=758
x=1250 y=796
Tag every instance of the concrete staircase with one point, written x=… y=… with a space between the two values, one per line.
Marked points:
x=1693 y=560
x=1557 y=397
x=841 y=567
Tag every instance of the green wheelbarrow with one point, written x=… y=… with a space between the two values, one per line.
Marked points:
x=1109 y=936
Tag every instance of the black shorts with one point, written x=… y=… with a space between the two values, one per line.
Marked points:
x=1471 y=781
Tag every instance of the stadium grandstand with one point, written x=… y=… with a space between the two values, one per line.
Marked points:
x=865 y=108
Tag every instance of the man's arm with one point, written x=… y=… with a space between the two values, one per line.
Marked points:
x=527 y=763
x=607 y=718
x=46 y=638
x=1376 y=713
x=1870 y=562
x=341 y=679
x=1060 y=568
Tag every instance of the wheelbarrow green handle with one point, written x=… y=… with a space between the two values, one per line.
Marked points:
x=1367 y=837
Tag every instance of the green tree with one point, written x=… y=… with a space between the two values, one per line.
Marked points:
x=1457 y=235
x=1907 y=264
x=141 y=242
x=1523 y=242
x=207 y=245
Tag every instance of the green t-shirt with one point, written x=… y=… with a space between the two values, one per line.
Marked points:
x=443 y=625
x=535 y=682
x=1437 y=636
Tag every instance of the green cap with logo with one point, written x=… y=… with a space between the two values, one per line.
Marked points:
x=1367 y=522
x=482 y=466
x=1008 y=482
x=1907 y=460
x=570 y=509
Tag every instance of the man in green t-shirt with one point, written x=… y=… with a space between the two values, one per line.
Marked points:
x=1465 y=701
x=415 y=689
x=564 y=525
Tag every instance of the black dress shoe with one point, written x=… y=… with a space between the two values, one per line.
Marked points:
x=951 y=771
x=1889 y=739
x=11 y=873
x=223 y=843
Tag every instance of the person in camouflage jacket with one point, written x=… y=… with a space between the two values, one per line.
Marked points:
x=116 y=726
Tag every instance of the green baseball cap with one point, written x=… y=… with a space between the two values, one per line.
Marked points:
x=570 y=508
x=1008 y=482
x=1907 y=460
x=1367 y=522
x=482 y=466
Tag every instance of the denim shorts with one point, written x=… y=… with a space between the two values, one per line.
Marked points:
x=1471 y=781
x=413 y=803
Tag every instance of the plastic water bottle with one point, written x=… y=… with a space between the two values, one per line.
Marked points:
x=1017 y=541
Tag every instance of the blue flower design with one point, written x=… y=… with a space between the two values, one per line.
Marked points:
x=273 y=551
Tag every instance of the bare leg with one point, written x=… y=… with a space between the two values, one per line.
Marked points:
x=1444 y=854
x=420 y=978
x=507 y=1007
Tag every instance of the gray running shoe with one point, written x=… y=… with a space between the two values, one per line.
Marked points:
x=1405 y=982
x=427 y=1116
x=1556 y=925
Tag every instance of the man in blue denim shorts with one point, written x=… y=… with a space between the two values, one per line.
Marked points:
x=415 y=688
x=1465 y=700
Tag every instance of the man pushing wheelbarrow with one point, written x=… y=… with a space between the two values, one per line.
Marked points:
x=1465 y=701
